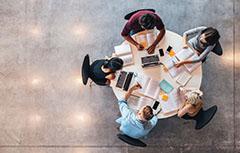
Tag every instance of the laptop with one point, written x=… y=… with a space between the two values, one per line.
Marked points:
x=149 y=61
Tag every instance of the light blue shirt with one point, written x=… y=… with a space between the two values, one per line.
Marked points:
x=131 y=125
x=195 y=43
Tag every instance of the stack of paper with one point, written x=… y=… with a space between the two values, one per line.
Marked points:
x=173 y=103
x=149 y=88
x=183 y=78
x=124 y=52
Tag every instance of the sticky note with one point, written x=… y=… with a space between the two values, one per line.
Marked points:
x=165 y=97
x=171 y=53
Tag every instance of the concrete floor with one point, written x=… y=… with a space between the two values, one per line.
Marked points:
x=45 y=109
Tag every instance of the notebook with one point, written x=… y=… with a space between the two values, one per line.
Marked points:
x=146 y=39
x=125 y=53
x=172 y=104
x=150 y=87
x=183 y=78
x=166 y=86
x=184 y=54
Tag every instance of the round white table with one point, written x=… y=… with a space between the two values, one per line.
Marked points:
x=157 y=72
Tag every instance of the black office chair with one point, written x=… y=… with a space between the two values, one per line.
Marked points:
x=85 y=69
x=203 y=117
x=218 y=49
x=131 y=141
x=86 y=73
x=128 y=16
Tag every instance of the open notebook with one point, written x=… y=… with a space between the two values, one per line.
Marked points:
x=136 y=103
x=150 y=87
x=173 y=103
x=184 y=54
x=146 y=39
x=125 y=53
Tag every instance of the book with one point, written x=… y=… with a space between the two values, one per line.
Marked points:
x=136 y=103
x=188 y=54
x=193 y=66
x=166 y=86
x=125 y=53
x=172 y=104
x=183 y=78
x=184 y=54
x=150 y=87
x=146 y=39
x=123 y=49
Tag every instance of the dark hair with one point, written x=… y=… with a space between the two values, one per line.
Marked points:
x=147 y=21
x=147 y=113
x=114 y=64
x=212 y=35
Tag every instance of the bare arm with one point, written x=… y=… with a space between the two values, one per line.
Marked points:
x=151 y=48
x=128 y=94
x=159 y=36
x=184 y=110
x=132 y=41
x=201 y=57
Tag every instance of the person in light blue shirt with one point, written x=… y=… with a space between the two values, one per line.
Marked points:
x=135 y=125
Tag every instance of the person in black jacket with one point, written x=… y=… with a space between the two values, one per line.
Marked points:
x=103 y=71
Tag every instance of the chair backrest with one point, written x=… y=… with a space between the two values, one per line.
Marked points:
x=85 y=69
x=131 y=141
x=205 y=116
x=128 y=16
x=218 y=49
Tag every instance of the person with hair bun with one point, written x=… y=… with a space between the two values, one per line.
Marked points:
x=103 y=71
x=203 y=41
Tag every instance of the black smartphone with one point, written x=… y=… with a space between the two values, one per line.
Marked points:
x=155 y=106
x=161 y=52
x=169 y=48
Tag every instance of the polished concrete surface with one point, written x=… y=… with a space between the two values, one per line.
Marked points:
x=45 y=109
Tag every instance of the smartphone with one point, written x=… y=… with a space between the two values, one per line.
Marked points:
x=155 y=106
x=121 y=79
x=169 y=48
x=161 y=52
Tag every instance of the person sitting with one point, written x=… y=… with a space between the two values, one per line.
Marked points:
x=103 y=71
x=135 y=125
x=192 y=102
x=205 y=40
x=140 y=21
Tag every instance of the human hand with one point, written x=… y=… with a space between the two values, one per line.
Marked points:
x=185 y=46
x=136 y=86
x=178 y=64
x=111 y=76
x=140 y=47
x=151 y=49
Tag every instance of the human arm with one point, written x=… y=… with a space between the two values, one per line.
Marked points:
x=123 y=106
x=193 y=31
x=132 y=41
x=126 y=35
x=182 y=111
x=154 y=121
x=200 y=58
x=151 y=48
x=128 y=94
